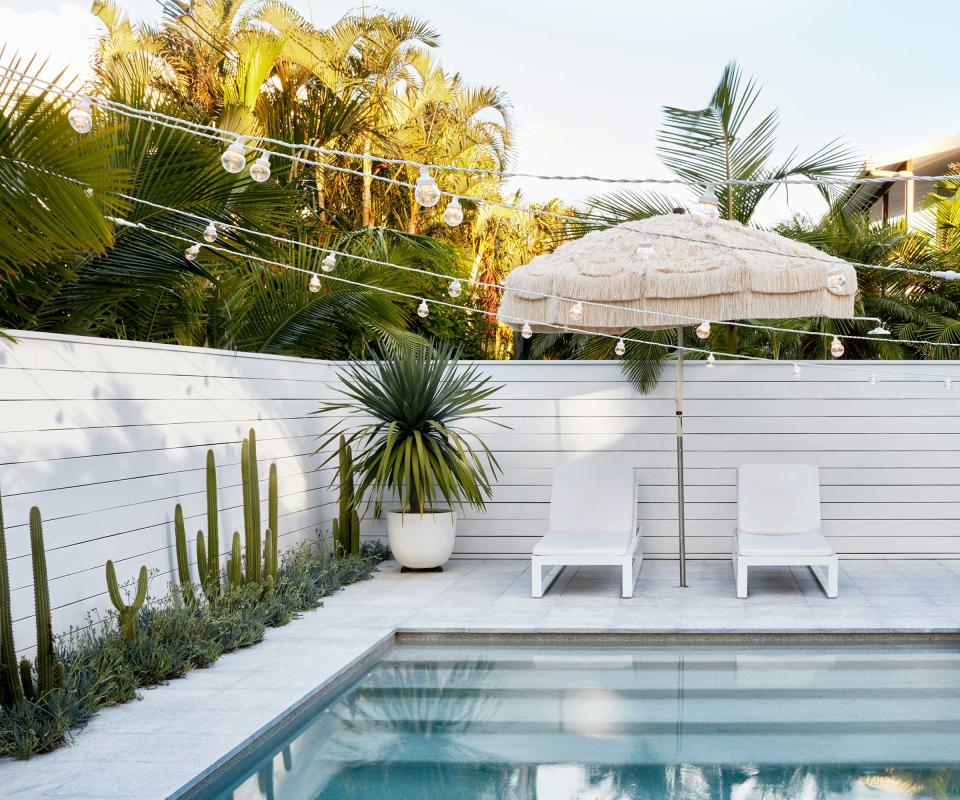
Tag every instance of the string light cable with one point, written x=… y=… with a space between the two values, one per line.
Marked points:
x=560 y=328
x=234 y=140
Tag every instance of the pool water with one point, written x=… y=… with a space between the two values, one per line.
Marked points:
x=710 y=722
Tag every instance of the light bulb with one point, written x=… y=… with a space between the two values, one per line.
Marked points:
x=576 y=312
x=620 y=348
x=329 y=262
x=645 y=250
x=836 y=348
x=879 y=331
x=80 y=116
x=707 y=210
x=526 y=331
x=423 y=309
x=192 y=252
x=234 y=158
x=453 y=213
x=454 y=289
x=210 y=232
x=711 y=361
x=796 y=370
x=426 y=192
x=836 y=282
x=260 y=169
x=703 y=330
x=948 y=384
x=872 y=380
x=314 y=285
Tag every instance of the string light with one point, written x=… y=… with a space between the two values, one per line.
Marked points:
x=192 y=252
x=526 y=331
x=234 y=158
x=314 y=284
x=948 y=384
x=576 y=312
x=796 y=370
x=872 y=380
x=645 y=250
x=455 y=289
x=426 y=192
x=711 y=361
x=707 y=210
x=836 y=347
x=260 y=169
x=836 y=282
x=329 y=263
x=423 y=309
x=878 y=331
x=703 y=330
x=210 y=232
x=80 y=116
x=620 y=348
x=453 y=213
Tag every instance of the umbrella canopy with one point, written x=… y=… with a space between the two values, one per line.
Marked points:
x=673 y=264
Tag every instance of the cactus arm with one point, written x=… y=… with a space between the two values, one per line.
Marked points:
x=234 y=565
x=183 y=560
x=26 y=678
x=113 y=588
x=128 y=612
x=46 y=659
x=11 y=690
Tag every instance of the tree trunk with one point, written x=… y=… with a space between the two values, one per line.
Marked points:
x=367 y=184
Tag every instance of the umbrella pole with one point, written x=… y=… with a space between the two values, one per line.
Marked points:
x=679 y=415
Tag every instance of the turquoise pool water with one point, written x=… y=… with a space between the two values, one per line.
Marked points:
x=725 y=722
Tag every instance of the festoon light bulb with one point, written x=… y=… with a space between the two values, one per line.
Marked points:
x=314 y=285
x=836 y=347
x=707 y=210
x=329 y=263
x=234 y=158
x=703 y=330
x=426 y=191
x=711 y=361
x=576 y=312
x=645 y=250
x=836 y=281
x=210 y=232
x=80 y=116
x=620 y=347
x=455 y=289
x=453 y=213
x=191 y=252
x=260 y=169
x=526 y=331
x=423 y=309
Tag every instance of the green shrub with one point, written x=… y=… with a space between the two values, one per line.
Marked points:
x=101 y=668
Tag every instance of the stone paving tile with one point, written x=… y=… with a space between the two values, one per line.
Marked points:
x=149 y=749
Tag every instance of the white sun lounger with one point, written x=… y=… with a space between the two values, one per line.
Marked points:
x=593 y=521
x=778 y=523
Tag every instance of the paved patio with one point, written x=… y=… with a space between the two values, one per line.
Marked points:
x=154 y=747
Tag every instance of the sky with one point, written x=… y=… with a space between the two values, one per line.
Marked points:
x=587 y=79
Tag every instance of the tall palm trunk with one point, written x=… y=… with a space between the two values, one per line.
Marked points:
x=367 y=213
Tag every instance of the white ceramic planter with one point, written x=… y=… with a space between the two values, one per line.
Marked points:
x=422 y=541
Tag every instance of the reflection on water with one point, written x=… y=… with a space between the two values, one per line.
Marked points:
x=619 y=723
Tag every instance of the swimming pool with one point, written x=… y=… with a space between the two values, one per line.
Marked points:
x=623 y=721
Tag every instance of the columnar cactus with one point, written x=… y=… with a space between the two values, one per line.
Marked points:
x=251 y=506
x=235 y=562
x=128 y=611
x=183 y=560
x=346 y=527
x=48 y=674
x=11 y=691
x=210 y=569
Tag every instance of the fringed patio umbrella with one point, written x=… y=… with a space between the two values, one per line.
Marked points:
x=671 y=271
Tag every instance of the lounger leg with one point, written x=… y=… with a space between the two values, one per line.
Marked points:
x=830 y=581
x=536 y=576
x=740 y=568
x=629 y=577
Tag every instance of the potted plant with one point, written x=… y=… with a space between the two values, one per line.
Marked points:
x=411 y=445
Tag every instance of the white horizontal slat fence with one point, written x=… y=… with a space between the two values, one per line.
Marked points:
x=107 y=436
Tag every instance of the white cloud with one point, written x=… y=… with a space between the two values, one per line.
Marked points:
x=64 y=37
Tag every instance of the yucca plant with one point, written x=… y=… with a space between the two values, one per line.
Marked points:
x=414 y=447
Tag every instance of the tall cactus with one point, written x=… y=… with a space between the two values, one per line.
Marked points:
x=11 y=691
x=270 y=561
x=128 y=611
x=251 y=506
x=48 y=673
x=183 y=560
x=346 y=527
x=235 y=562
x=210 y=570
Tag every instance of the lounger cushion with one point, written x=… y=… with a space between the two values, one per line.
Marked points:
x=593 y=497
x=780 y=499
x=583 y=543
x=791 y=544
